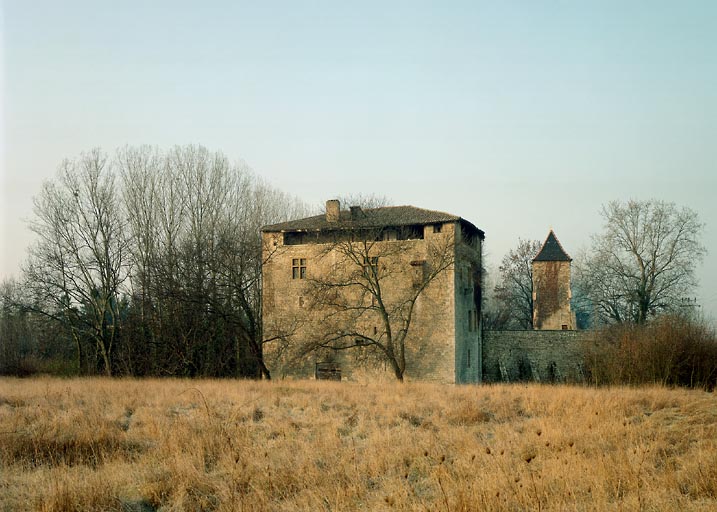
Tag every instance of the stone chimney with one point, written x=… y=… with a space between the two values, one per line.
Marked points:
x=333 y=207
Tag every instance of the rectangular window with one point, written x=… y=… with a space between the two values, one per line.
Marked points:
x=298 y=268
x=418 y=271
x=437 y=228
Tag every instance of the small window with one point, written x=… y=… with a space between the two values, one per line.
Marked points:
x=301 y=302
x=564 y=327
x=298 y=268
x=418 y=271
x=437 y=228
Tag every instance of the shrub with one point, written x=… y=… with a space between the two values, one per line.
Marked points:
x=671 y=350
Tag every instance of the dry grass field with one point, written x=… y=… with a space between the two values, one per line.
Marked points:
x=141 y=445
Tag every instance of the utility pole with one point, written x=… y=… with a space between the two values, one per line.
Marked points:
x=688 y=306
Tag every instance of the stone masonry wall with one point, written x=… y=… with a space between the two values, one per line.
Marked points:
x=290 y=321
x=551 y=295
x=468 y=313
x=553 y=355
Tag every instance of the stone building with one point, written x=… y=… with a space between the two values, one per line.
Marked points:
x=337 y=286
x=551 y=287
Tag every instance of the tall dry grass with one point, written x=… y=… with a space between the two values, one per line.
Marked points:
x=141 y=445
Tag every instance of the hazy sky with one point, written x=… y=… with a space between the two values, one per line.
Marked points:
x=518 y=116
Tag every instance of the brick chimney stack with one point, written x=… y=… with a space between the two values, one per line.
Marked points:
x=333 y=207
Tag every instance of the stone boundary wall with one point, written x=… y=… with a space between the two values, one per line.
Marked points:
x=547 y=356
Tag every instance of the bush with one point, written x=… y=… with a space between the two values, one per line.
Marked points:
x=671 y=350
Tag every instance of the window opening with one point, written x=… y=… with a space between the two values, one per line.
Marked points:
x=298 y=268
x=327 y=371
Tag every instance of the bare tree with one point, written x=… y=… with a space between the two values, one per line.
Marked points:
x=365 y=201
x=644 y=261
x=195 y=221
x=161 y=273
x=16 y=339
x=78 y=265
x=368 y=300
x=514 y=291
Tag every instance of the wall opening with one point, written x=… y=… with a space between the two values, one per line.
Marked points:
x=327 y=370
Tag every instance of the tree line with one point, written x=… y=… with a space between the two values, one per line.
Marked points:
x=146 y=262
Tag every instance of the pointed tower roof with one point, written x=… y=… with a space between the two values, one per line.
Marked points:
x=552 y=250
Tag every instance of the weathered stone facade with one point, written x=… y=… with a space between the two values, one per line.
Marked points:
x=546 y=356
x=402 y=245
x=551 y=287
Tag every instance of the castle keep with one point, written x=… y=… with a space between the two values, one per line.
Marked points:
x=337 y=286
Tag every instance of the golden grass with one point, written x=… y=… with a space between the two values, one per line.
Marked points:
x=141 y=445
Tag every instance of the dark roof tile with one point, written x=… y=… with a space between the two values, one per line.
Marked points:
x=552 y=250
x=371 y=218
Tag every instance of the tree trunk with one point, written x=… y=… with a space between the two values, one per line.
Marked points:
x=80 y=355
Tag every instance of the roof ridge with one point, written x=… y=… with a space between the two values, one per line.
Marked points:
x=401 y=215
x=393 y=206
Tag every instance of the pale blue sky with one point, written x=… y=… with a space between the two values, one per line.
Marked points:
x=518 y=116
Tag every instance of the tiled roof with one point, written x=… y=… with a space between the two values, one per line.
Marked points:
x=552 y=250
x=371 y=218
